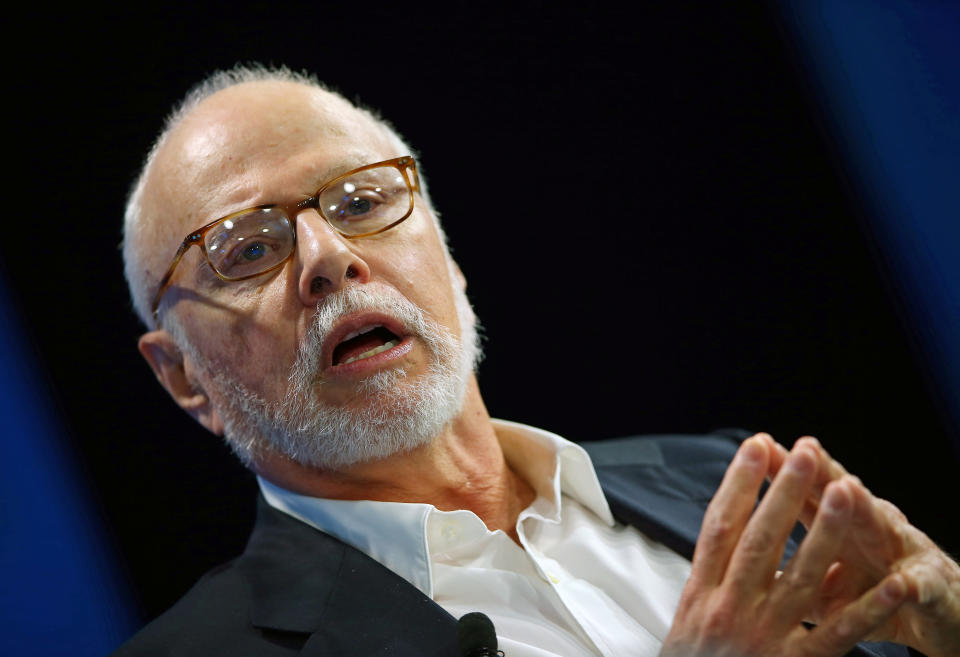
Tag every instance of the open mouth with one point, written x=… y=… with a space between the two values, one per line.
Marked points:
x=364 y=343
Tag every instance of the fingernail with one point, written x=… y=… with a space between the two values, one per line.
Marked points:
x=808 y=440
x=800 y=461
x=893 y=589
x=751 y=451
x=835 y=501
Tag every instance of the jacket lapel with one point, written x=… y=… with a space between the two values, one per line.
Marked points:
x=305 y=581
x=372 y=611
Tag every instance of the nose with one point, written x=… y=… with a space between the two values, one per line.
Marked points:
x=324 y=260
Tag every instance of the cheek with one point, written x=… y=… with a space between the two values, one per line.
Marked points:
x=419 y=263
x=250 y=351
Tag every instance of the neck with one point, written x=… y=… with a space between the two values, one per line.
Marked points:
x=463 y=468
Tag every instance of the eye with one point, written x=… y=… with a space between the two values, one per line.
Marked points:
x=358 y=206
x=248 y=256
x=254 y=251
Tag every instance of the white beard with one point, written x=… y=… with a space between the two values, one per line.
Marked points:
x=400 y=413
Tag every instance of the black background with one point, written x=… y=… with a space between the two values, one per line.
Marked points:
x=655 y=228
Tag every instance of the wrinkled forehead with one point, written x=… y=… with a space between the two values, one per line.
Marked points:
x=221 y=151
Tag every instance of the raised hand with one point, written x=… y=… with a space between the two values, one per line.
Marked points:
x=734 y=604
x=881 y=541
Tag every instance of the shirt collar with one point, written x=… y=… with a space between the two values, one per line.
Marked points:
x=395 y=533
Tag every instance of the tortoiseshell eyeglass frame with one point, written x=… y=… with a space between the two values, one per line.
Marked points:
x=406 y=166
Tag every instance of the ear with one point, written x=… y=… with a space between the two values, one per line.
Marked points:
x=178 y=375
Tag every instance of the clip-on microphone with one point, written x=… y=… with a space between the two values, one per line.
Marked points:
x=476 y=637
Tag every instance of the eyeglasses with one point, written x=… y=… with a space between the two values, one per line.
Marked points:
x=363 y=202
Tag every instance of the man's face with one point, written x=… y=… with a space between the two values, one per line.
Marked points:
x=260 y=349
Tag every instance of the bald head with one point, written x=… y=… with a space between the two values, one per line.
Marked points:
x=198 y=169
x=262 y=121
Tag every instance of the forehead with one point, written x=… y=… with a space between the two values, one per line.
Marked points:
x=260 y=142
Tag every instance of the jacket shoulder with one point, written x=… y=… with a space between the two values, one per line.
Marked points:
x=667 y=450
x=213 y=617
x=297 y=591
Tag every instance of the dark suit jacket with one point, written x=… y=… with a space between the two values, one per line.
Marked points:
x=298 y=591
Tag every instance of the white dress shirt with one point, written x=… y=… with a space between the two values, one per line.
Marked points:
x=582 y=584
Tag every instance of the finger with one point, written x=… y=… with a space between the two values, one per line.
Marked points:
x=798 y=589
x=760 y=547
x=859 y=619
x=728 y=512
x=832 y=469
x=778 y=454
x=827 y=470
x=778 y=457
x=882 y=538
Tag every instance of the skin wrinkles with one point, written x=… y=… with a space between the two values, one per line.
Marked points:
x=463 y=467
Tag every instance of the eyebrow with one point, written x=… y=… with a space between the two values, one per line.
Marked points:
x=349 y=162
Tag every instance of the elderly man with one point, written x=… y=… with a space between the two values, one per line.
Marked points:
x=322 y=328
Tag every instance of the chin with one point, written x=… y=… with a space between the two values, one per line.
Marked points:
x=397 y=414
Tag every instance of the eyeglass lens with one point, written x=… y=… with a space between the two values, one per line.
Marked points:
x=250 y=243
x=366 y=201
x=361 y=202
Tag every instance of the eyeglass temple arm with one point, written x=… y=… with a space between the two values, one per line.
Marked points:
x=409 y=168
x=165 y=281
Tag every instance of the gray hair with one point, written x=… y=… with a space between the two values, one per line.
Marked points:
x=139 y=233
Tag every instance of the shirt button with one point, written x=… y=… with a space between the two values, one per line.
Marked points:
x=450 y=530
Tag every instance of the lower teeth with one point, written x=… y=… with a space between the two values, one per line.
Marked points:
x=390 y=344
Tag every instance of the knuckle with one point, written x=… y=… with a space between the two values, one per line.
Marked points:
x=719 y=622
x=843 y=631
x=926 y=583
x=718 y=527
x=892 y=511
x=756 y=542
x=719 y=613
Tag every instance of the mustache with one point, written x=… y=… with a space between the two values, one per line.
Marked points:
x=360 y=298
